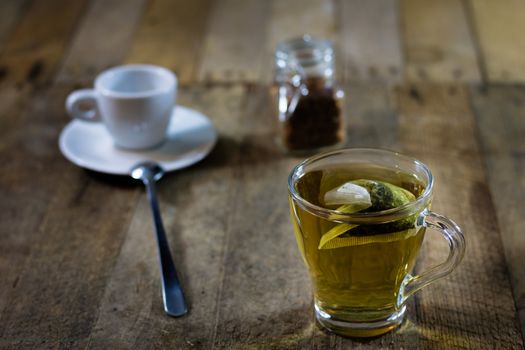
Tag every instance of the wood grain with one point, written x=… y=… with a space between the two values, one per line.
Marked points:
x=262 y=302
x=102 y=40
x=499 y=25
x=197 y=205
x=10 y=11
x=36 y=47
x=291 y=19
x=371 y=116
x=56 y=246
x=370 y=40
x=266 y=300
x=438 y=127
x=171 y=35
x=77 y=256
x=232 y=47
x=438 y=44
x=21 y=208
x=499 y=114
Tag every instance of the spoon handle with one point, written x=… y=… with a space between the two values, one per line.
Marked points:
x=174 y=303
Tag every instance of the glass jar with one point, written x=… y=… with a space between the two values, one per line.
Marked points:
x=309 y=101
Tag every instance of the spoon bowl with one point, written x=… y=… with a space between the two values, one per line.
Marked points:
x=147 y=171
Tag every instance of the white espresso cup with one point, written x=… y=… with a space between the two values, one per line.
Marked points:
x=134 y=102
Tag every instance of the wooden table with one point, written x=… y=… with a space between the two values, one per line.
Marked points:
x=438 y=80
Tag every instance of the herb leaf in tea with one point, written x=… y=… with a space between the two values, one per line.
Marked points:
x=328 y=238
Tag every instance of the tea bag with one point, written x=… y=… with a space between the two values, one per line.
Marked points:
x=385 y=195
x=379 y=196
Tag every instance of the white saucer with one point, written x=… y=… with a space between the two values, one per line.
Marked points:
x=191 y=136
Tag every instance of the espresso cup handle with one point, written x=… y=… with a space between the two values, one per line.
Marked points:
x=88 y=97
x=456 y=242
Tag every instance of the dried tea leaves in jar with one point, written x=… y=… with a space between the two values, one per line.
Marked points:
x=316 y=121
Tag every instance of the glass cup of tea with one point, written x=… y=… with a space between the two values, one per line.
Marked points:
x=360 y=217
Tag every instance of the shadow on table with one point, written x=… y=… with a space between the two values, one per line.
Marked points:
x=226 y=152
x=448 y=327
x=118 y=181
x=252 y=149
x=289 y=329
x=296 y=329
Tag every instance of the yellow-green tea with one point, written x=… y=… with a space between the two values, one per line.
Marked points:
x=358 y=274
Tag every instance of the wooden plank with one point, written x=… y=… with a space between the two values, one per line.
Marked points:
x=370 y=40
x=249 y=252
x=44 y=30
x=36 y=47
x=19 y=211
x=197 y=206
x=96 y=44
x=499 y=25
x=438 y=127
x=10 y=11
x=262 y=302
x=11 y=108
x=266 y=299
x=451 y=314
x=231 y=49
x=171 y=35
x=136 y=279
x=500 y=114
x=371 y=116
x=438 y=44
x=290 y=19
x=58 y=236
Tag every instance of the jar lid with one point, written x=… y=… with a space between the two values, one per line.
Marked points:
x=306 y=55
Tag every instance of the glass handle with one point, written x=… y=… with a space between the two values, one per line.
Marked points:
x=456 y=243
x=294 y=100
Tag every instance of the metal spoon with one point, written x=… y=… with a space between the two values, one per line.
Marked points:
x=174 y=303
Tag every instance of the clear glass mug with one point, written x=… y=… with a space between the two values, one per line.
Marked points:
x=362 y=275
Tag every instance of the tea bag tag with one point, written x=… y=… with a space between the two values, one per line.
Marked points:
x=349 y=194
